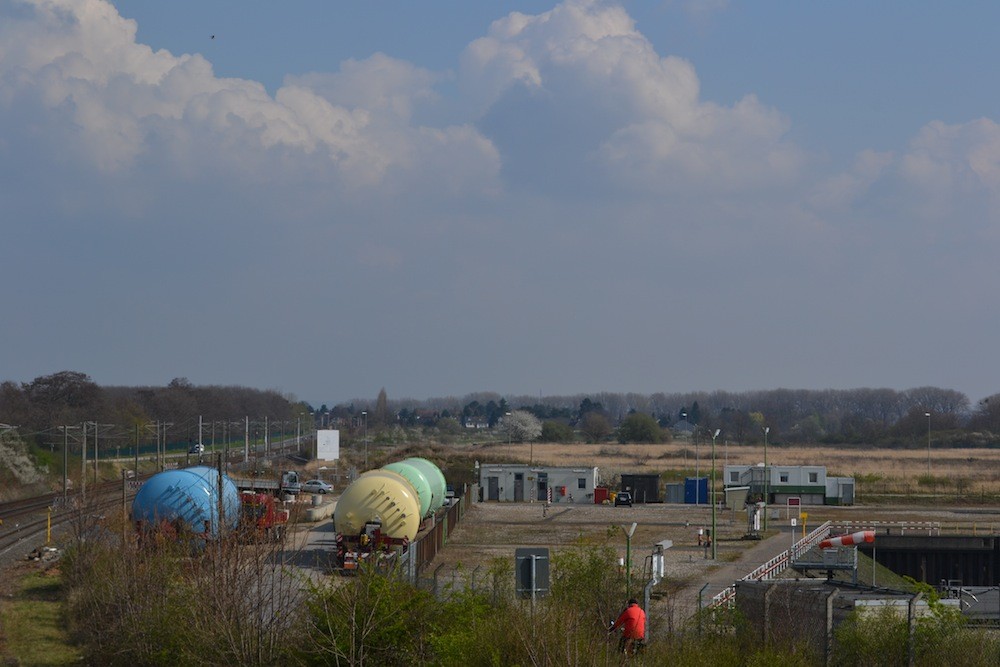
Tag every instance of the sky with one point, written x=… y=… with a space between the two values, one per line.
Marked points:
x=529 y=197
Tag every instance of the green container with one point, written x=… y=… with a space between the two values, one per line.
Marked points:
x=416 y=477
x=436 y=478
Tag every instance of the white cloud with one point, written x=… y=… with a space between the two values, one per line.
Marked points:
x=114 y=100
x=634 y=116
x=955 y=157
x=377 y=84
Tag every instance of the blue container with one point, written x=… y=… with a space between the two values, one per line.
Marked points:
x=189 y=497
x=696 y=490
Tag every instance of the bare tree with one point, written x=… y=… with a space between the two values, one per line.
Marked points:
x=381 y=416
x=595 y=426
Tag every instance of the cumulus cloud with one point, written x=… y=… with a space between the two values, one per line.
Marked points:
x=78 y=64
x=945 y=168
x=570 y=101
x=379 y=84
x=959 y=157
x=583 y=73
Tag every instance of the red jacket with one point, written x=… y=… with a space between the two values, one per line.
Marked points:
x=633 y=622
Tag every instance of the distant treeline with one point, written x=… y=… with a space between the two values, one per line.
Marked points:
x=852 y=416
x=875 y=416
x=40 y=408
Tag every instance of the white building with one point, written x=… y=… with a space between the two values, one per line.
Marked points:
x=511 y=482
x=809 y=484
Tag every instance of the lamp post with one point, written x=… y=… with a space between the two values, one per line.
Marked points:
x=928 y=415
x=684 y=416
x=767 y=478
x=507 y=426
x=697 y=467
x=714 y=436
x=364 y=413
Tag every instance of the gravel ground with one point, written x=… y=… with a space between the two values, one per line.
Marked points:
x=495 y=530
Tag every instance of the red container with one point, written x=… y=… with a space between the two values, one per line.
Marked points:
x=600 y=494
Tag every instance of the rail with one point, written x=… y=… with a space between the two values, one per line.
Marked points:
x=30 y=526
x=774 y=566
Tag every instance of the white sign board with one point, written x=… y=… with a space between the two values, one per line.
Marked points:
x=328 y=445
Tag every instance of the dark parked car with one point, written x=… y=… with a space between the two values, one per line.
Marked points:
x=623 y=498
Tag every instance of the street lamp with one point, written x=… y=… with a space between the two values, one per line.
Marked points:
x=928 y=415
x=506 y=424
x=531 y=452
x=697 y=467
x=684 y=417
x=364 y=413
x=767 y=478
x=714 y=436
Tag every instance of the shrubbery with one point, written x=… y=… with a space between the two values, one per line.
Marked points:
x=247 y=605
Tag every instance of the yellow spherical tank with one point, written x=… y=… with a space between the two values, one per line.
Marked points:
x=379 y=494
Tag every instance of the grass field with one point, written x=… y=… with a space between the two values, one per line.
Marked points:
x=32 y=628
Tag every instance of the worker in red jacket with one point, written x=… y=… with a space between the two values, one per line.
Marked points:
x=632 y=621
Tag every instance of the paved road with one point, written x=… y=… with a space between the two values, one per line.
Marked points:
x=723 y=574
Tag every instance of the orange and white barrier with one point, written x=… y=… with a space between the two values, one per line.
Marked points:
x=848 y=540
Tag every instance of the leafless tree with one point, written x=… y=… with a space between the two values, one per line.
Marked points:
x=595 y=427
x=381 y=414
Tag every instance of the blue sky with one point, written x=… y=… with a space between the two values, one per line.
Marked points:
x=523 y=197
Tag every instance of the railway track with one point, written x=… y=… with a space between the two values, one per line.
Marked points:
x=26 y=520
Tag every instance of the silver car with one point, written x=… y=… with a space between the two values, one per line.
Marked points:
x=316 y=486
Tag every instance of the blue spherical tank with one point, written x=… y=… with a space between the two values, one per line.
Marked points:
x=189 y=497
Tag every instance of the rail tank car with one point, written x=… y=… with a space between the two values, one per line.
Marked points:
x=379 y=495
x=188 y=500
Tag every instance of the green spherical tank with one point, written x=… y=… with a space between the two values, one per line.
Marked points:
x=436 y=478
x=419 y=481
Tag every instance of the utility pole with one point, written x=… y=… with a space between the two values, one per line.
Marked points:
x=715 y=552
x=767 y=479
x=928 y=415
x=65 y=461
x=96 y=453
x=83 y=463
